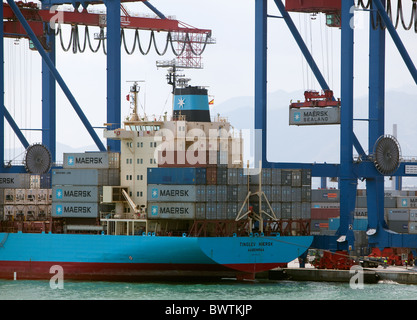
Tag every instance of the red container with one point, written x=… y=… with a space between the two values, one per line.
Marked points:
x=310 y=6
x=324 y=213
x=211 y=175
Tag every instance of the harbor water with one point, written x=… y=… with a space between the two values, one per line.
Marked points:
x=222 y=290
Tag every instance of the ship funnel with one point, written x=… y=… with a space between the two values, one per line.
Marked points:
x=191 y=103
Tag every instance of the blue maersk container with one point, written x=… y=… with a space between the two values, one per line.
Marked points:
x=358 y=224
x=177 y=175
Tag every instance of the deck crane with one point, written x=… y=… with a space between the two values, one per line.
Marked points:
x=27 y=20
x=384 y=157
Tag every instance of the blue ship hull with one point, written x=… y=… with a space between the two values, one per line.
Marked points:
x=112 y=257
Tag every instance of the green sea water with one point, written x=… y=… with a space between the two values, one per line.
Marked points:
x=222 y=290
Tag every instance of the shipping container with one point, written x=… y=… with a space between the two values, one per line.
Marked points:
x=398 y=226
x=358 y=224
x=19 y=212
x=325 y=205
x=412 y=227
x=87 y=160
x=319 y=224
x=232 y=176
x=211 y=175
x=413 y=215
x=31 y=196
x=398 y=214
x=45 y=181
x=361 y=213
x=172 y=193
x=286 y=177
x=406 y=202
x=9 y=196
x=276 y=193
x=201 y=193
x=276 y=177
x=232 y=210
x=200 y=210
x=221 y=191
x=211 y=193
x=286 y=210
x=321 y=213
x=276 y=207
x=211 y=210
x=20 y=196
x=43 y=212
x=390 y=202
x=44 y=196
x=176 y=176
x=310 y=116
x=296 y=210
x=86 y=177
x=221 y=210
x=172 y=210
x=305 y=210
x=361 y=202
x=76 y=193
x=306 y=193
x=31 y=212
x=232 y=193
x=296 y=178
x=395 y=193
x=35 y=182
x=296 y=194
x=306 y=177
x=14 y=180
x=221 y=175
x=8 y=211
x=242 y=192
x=324 y=195
x=74 y=210
x=267 y=190
x=266 y=176
x=241 y=177
x=286 y=193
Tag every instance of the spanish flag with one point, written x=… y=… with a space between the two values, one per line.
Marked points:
x=211 y=102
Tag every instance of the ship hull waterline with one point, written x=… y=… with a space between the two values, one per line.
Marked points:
x=135 y=258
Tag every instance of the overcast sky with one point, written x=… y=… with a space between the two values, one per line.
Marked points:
x=228 y=65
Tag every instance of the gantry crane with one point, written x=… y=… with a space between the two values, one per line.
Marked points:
x=18 y=19
x=384 y=157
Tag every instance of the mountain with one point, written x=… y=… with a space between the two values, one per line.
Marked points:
x=321 y=143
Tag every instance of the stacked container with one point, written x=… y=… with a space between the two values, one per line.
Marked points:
x=400 y=210
x=77 y=188
x=287 y=190
x=216 y=193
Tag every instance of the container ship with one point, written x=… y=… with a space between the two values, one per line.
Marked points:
x=176 y=203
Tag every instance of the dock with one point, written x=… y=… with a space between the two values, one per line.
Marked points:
x=370 y=275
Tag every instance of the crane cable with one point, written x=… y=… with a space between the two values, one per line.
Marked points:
x=377 y=22
x=75 y=42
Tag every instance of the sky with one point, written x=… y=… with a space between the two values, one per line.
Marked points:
x=228 y=66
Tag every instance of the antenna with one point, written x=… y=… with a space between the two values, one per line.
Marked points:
x=134 y=90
